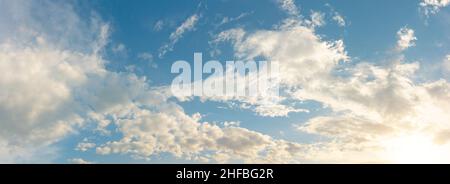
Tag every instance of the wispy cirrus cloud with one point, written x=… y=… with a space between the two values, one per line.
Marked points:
x=159 y=25
x=226 y=20
x=186 y=26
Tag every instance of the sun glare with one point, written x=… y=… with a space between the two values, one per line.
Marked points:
x=413 y=149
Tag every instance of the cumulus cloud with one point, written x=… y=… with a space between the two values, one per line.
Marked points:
x=164 y=127
x=52 y=84
x=377 y=105
x=406 y=38
x=41 y=70
x=301 y=59
x=85 y=145
x=52 y=88
x=376 y=109
x=377 y=112
x=433 y=6
x=186 y=26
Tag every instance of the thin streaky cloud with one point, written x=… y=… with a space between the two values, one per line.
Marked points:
x=186 y=26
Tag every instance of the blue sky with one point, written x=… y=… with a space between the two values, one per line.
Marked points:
x=370 y=96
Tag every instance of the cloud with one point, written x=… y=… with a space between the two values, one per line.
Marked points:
x=289 y=6
x=158 y=25
x=85 y=145
x=301 y=59
x=10 y=153
x=79 y=161
x=378 y=105
x=431 y=7
x=226 y=20
x=317 y=19
x=147 y=57
x=43 y=67
x=446 y=64
x=119 y=48
x=353 y=129
x=53 y=88
x=406 y=38
x=164 y=127
x=54 y=82
x=374 y=108
x=339 y=19
x=187 y=25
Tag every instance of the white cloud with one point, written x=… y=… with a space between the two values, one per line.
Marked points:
x=234 y=35
x=57 y=88
x=231 y=123
x=373 y=107
x=301 y=59
x=158 y=25
x=147 y=57
x=406 y=38
x=53 y=86
x=187 y=25
x=10 y=153
x=226 y=20
x=170 y=130
x=317 y=19
x=378 y=105
x=433 y=6
x=119 y=48
x=42 y=67
x=446 y=64
x=84 y=146
x=339 y=19
x=78 y=161
x=289 y=6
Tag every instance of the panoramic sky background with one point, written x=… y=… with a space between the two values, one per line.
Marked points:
x=89 y=81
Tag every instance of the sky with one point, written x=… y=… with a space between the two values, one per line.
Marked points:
x=90 y=81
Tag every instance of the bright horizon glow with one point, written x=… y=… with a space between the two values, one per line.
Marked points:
x=413 y=149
